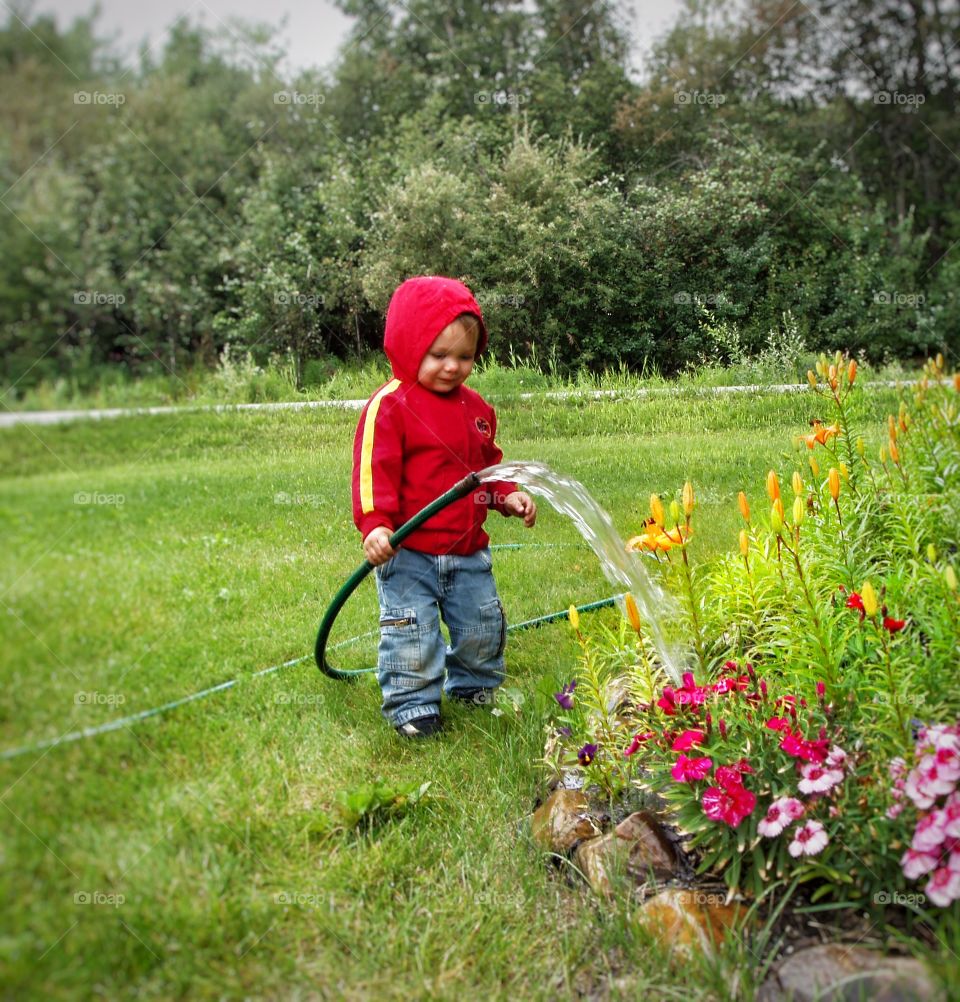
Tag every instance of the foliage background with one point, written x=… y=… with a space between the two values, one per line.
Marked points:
x=775 y=169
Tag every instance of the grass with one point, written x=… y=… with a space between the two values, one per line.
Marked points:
x=199 y=837
x=238 y=378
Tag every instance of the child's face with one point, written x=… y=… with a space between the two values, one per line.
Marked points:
x=449 y=360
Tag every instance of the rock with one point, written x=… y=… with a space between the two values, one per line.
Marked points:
x=650 y=848
x=636 y=847
x=617 y=695
x=599 y=858
x=562 y=820
x=688 y=921
x=836 y=972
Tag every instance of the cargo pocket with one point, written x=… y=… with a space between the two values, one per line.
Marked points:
x=493 y=627
x=400 y=647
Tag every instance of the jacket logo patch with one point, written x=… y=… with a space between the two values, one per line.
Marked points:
x=483 y=426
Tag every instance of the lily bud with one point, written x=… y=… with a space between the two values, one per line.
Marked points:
x=950 y=576
x=773 y=486
x=852 y=371
x=931 y=553
x=833 y=482
x=633 y=613
x=656 y=509
x=814 y=466
x=688 y=499
x=574 y=616
x=832 y=373
x=744 y=506
x=797 y=483
x=811 y=377
x=894 y=451
x=861 y=448
x=869 y=597
x=883 y=455
x=744 y=543
x=799 y=508
x=838 y=358
x=904 y=417
x=674 y=512
x=956 y=381
x=776 y=519
x=844 y=472
x=892 y=426
x=939 y=360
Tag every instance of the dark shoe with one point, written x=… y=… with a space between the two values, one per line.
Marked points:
x=420 y=727
x=474 y=697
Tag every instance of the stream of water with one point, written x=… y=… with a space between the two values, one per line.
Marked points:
x=620 y=567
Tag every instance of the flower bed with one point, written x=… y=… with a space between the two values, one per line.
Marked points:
x=816 y=739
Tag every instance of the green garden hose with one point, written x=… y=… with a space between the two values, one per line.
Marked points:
x=459 y=490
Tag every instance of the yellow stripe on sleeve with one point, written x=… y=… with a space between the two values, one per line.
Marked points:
x=366 y=448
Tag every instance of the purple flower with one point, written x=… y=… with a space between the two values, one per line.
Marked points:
x=565 y=696
x=586 y=754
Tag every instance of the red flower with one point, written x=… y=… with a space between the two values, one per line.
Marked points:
x=855 y=601
x=666 y=702
x=688 y=740
x=730 y=802
x=728 y=684
x=638 y=739
x=799 y=747
x=690 y=694
x=779 y=724
x=689 y=770
x=893 y=625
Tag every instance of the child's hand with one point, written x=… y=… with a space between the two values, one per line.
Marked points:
x=376 y=547
x=523 y=506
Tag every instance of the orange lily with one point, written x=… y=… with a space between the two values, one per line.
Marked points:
x=821 y=434
x=656 y=538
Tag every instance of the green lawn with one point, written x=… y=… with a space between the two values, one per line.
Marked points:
x=198 y=835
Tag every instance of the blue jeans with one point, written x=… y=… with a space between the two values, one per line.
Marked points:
x=415 y=589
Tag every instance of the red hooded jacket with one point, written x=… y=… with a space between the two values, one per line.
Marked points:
x=412 y=444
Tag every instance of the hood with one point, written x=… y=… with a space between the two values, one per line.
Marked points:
x=419 y=309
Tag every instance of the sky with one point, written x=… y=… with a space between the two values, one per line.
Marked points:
x=313 y=29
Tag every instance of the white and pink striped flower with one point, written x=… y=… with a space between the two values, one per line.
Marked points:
x=943 y=888
x=916 y=864
x=780 y=814
x=808 y=840
x=929 y=835
x=817 y=779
